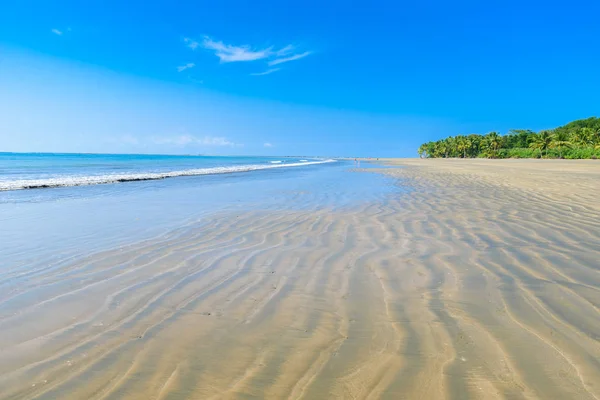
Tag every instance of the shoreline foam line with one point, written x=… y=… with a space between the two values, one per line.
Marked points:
x=67 y=181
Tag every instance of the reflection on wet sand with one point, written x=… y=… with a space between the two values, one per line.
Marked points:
x=482 y=282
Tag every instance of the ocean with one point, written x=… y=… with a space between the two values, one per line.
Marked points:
x=56 y=206
x=47 y=170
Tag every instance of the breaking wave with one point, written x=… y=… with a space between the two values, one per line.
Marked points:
x=116 y=178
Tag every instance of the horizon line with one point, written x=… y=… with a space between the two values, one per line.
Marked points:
x=166 y=154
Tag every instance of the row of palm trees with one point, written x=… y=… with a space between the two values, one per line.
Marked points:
x=579 y=139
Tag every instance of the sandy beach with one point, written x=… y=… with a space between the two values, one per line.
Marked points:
x=479 y=280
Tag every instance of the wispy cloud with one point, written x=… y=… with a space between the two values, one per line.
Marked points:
x=186 y=140
x=267 y=144
x=267 y=72
x=57 y=32
x=228 y=53
x=290 y=58
x=186 y=66
x=191 y=43
x=285 y=51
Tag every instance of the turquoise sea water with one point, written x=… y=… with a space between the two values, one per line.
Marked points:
x=34 y=170
x=79 y=207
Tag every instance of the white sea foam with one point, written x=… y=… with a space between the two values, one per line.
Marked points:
x=275 y=162
x=115 y=178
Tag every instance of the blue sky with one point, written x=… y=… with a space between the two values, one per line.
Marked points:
x=333 y=78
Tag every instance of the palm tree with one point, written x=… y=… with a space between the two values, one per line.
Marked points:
x=461 y=145
x=560 y=140
x=468 y=145
x=535 y=144
x=583 y=137
x=475 y=147
x=450 y=146
x=441 y=148
x=542 y=141
x=596 y=136
x=492 y=142
x=426 y=150
x=431 y=149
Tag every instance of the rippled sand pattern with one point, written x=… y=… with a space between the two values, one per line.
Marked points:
x=482 y=282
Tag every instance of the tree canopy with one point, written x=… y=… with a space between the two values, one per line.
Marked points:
x=577 y=139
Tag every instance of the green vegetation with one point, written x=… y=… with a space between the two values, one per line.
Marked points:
x=577 y=139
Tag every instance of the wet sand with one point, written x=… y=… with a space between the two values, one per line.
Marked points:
x=483 y=281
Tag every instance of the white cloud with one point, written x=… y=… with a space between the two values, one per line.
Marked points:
x=191 y=43
x=215 y=141
x=268 y=144
x=186 y=140
x=290 y=58
x=186 y=66
x=57 y=32
x=231 y=53
x=267 y=72
x=286 y=50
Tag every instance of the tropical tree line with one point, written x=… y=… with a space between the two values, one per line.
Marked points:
x=575 y=140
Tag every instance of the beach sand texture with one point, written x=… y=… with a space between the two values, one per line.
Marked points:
x=481 y=282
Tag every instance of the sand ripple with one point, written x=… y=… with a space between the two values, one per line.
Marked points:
x=474 y=284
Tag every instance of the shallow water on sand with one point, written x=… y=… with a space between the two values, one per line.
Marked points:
x=412 y=284
x=63 y=222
